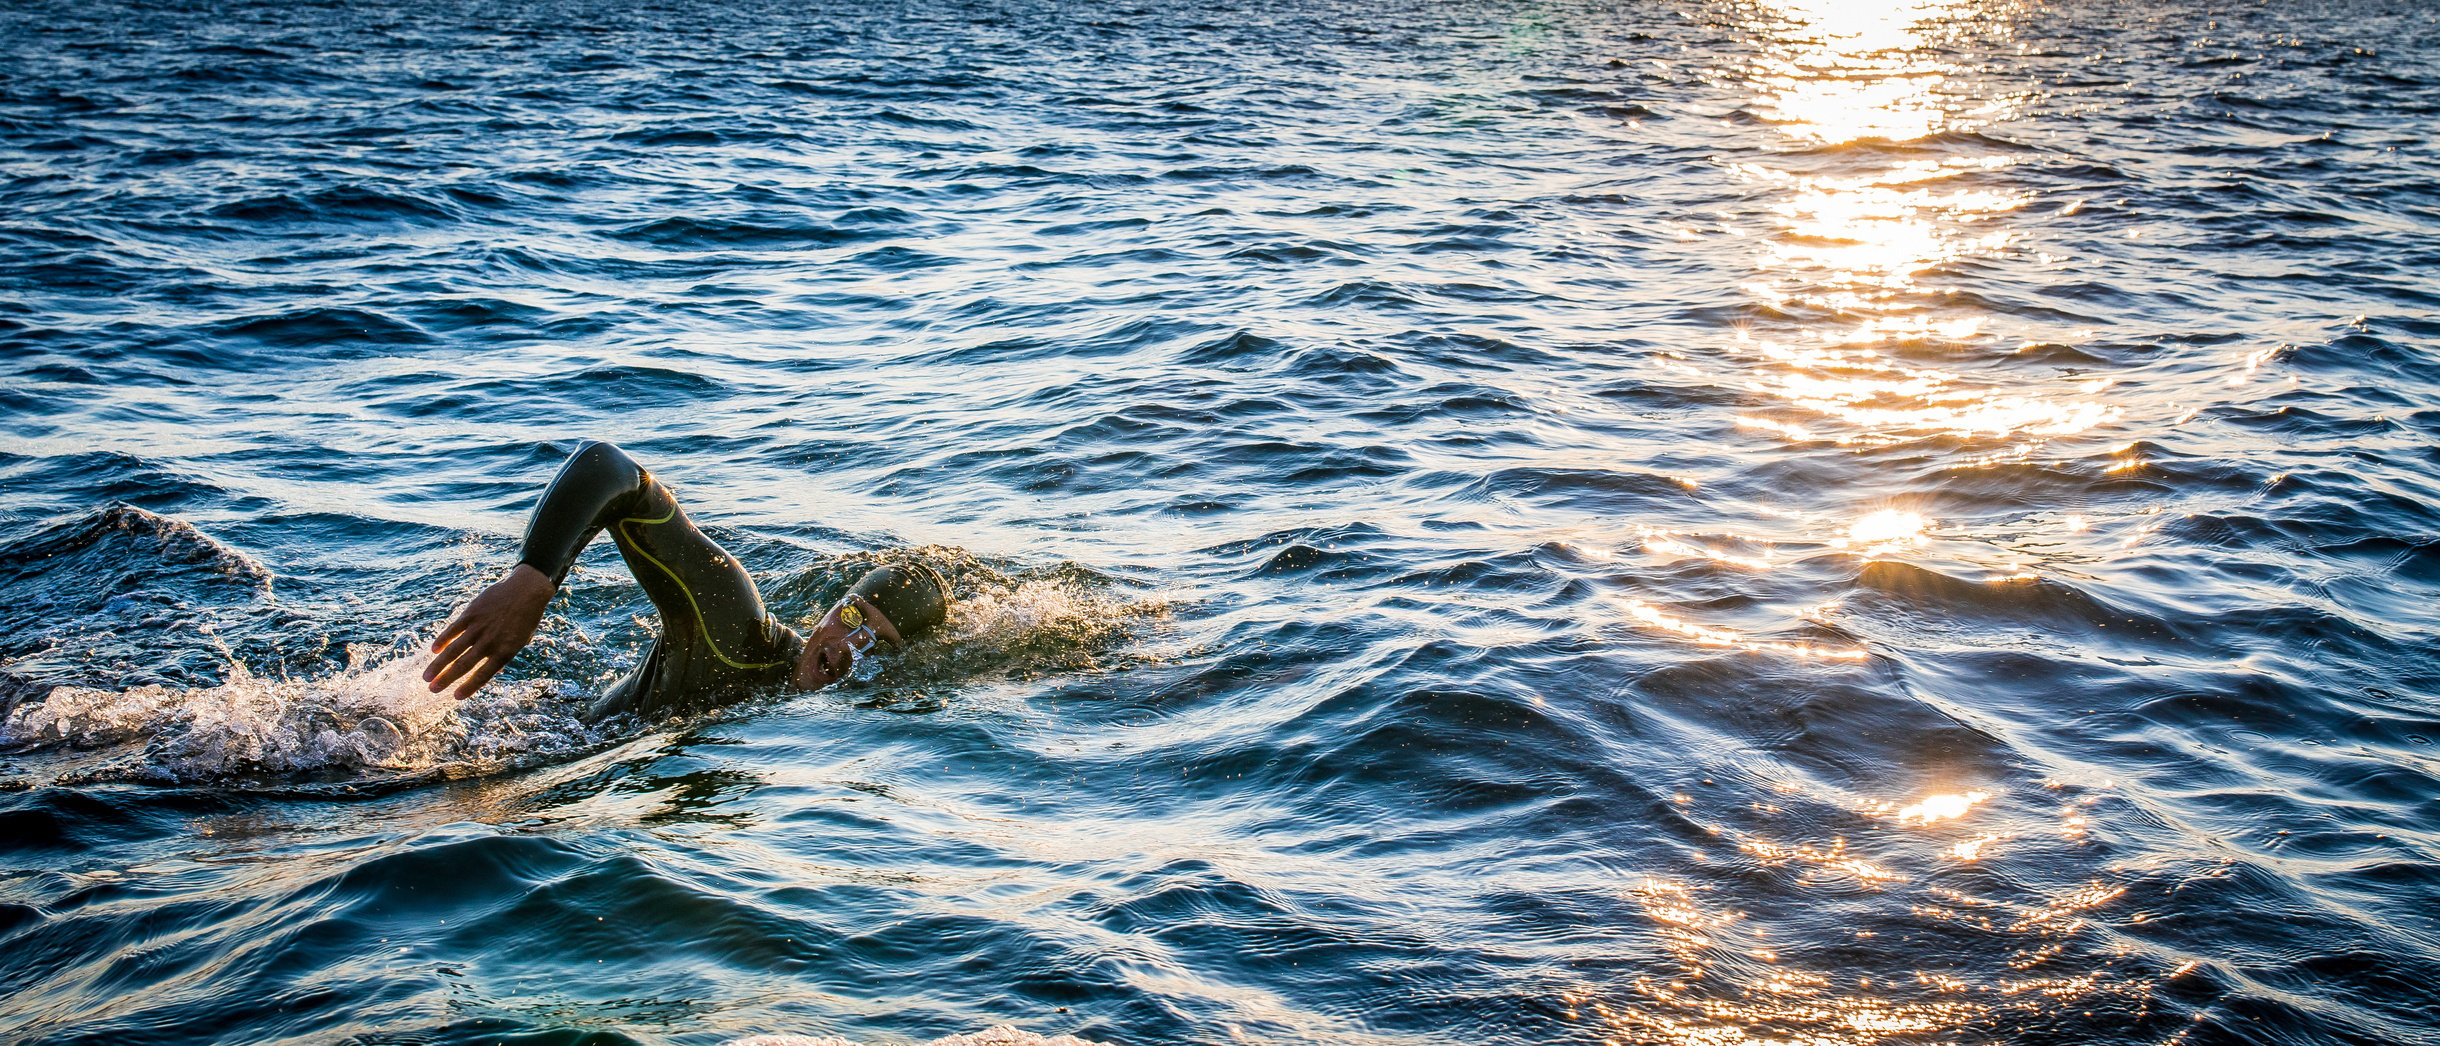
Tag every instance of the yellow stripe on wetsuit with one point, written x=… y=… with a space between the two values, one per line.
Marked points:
x=700 y=623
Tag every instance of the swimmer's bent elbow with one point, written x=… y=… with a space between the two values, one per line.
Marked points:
x=598 y=481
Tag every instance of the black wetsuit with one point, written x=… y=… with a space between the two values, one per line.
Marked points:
x=716 y=638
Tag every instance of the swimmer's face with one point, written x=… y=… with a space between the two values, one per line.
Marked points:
x=829 y=653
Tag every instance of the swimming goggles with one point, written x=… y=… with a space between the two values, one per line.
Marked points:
x=860 y=634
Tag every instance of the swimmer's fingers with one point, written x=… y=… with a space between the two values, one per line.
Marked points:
x=452 y=630
x=469 y=669
x=481 y=677
x=475 y=656
x=456 y=658
x=453 y=641
x=483 y=608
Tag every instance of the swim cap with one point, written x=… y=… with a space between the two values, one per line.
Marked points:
x=913 y=596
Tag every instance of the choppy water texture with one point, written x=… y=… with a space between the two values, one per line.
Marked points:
x=1482 y=523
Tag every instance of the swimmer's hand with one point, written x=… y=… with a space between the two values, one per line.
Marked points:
x=493 y=627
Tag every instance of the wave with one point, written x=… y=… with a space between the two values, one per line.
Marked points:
x=1292 y=173
x=722 y=232
x=339 y=203
x=151 y=537
x=2051 y=605
x=666 y=137
x=893 y=117
x=2362 y=352
x=321 y=326
x=1000 y=1035
x=1626 y=494
x=99 y=587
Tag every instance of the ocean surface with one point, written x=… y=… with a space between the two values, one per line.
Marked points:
x=1477 y=523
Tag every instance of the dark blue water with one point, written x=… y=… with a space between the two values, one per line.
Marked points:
x=1479 y=523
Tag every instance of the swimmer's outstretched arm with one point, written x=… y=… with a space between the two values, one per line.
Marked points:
x=596 y=483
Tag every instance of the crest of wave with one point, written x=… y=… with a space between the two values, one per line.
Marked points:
x=375 y=714
x=1002 y=1035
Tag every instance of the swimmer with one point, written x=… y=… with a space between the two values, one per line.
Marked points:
x=716 y=639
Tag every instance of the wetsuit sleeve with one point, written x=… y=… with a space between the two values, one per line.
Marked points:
x=704 y=595
x=598 y=485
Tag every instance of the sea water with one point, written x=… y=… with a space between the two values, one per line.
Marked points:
x=1484 y=523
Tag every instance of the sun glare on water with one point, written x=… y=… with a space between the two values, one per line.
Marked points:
x=1947 y=807
x=1850 y=70
x=1872 y=197
x=1886 y=527
x=1854 y=234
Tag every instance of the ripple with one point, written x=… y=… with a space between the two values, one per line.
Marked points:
x=1766 y=522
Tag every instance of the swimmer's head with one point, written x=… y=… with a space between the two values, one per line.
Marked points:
x=913 y=596
x=896 y=603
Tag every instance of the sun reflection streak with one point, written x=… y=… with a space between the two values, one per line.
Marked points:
x=1833 y=858
x=1881 y=405
x=1849 y=70
x=1875 y=201
x=1884 y=528
x=1973 y=849
x=1727 y=981
x=1857 y=229
x=1715 y=636
x=1948 y=807
x=1663 y=543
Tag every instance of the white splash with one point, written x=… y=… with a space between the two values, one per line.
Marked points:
x=1063 y=620
x=1029 y=608
x=375 y=714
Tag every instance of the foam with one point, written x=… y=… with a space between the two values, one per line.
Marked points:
x=373 y=715
x=1024 y=622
